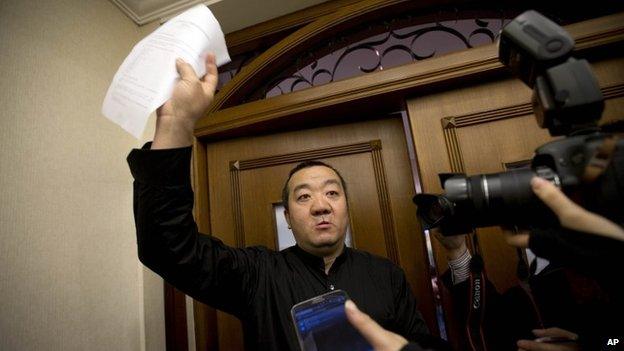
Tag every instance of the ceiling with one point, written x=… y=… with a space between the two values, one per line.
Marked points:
x=232 y=14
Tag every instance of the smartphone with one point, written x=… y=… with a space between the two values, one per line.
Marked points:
x=322 y=324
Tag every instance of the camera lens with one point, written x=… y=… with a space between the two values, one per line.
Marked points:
x=432 y=209
x=507 y=194
x=484 y=200
x=497 y=198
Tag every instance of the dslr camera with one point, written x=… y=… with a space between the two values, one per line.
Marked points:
x=587 y=164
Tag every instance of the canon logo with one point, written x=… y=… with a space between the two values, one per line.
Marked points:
x=476 y=296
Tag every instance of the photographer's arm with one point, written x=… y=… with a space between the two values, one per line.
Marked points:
x=457 y=254
x=585 y=241
x=570 y=215
x=573 y=216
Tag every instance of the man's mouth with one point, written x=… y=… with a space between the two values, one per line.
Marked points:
x=323 y=225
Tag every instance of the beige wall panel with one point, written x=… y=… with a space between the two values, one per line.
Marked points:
x=70 y=278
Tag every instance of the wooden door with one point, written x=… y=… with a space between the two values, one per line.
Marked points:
x=246 y=176
x=484 y=129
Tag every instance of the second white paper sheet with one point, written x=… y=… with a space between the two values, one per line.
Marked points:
x=146 y=78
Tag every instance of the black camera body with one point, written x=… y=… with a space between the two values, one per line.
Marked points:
x=586 y=164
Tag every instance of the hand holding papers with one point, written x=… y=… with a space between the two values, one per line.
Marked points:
x=147 y=77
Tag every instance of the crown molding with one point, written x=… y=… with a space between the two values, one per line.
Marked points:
x=162 y=13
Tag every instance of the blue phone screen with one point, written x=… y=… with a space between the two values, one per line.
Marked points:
x=324 y=326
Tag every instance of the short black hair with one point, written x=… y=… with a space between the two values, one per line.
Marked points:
x=304 y=165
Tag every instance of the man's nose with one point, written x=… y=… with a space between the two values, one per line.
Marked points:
x=320 y=207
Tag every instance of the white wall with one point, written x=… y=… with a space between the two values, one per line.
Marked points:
x=69 y=276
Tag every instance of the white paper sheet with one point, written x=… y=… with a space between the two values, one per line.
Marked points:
x=146 y=78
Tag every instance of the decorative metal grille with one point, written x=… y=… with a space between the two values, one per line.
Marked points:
x=227 y=72
x=390 y=49
x=400 y=42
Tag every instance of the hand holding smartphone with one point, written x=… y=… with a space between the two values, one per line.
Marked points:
x=322 y=324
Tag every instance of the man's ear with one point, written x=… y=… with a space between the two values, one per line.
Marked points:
x=287 y=217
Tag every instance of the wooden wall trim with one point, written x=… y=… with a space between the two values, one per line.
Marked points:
x=373 y=147
x=206 y=332
x=487 y=116
x=175 y=319
x=237 y=206
x=380 y=87
x=387 y=221
x=453 y=150
x=305 y=155
x=199 y=166
x=450 y=124
x=600 y=38
x=613 y=91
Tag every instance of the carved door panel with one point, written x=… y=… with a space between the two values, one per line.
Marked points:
x=246 y=176
x=485 y=129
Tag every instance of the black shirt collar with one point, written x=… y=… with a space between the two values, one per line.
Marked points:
x=319 y=262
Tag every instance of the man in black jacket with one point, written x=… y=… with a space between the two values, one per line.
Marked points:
x=256 y=284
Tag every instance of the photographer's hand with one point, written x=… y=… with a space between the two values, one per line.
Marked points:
x=573 y=216
x=189 y=101
x=379 y=338
x=570 y=215
x=551 y=339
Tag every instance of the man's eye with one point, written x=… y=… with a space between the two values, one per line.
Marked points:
x=303 y=197
x=332 y=193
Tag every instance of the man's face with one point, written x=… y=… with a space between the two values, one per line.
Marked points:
x=317 y=210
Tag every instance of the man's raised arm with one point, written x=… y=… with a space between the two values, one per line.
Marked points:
x=167 y=237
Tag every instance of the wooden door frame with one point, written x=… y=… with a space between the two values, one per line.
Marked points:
x=374 y=93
